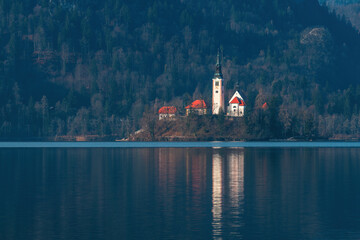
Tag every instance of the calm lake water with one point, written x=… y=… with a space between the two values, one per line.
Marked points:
x=180 y=193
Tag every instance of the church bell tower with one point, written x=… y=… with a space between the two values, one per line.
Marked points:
x=218 y=103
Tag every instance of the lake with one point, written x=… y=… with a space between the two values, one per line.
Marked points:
x=215 y=191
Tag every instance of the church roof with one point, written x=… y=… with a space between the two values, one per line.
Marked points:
x=197 y=104
x=167 y=110
x=238 y=101
x=237 y=95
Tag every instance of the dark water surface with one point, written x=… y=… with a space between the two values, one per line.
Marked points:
x=180 y=193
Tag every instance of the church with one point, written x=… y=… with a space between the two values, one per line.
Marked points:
x=236 y=107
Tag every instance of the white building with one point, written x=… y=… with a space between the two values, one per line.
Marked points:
x=218 y=102
x=167 y=113
x=198 y=107
x=236 y=106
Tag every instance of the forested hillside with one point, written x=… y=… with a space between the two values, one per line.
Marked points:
x=350 y=12
x=347 y=9
x=88 y=67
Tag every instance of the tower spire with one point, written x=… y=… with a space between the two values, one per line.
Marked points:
x=218 y=72
x=218 y=101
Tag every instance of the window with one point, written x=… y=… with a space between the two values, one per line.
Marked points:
x=217 y=83
x=234 y=106
x=217 y=91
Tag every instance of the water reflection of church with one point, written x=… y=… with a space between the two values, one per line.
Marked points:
x=227 y=175
x=218 y=174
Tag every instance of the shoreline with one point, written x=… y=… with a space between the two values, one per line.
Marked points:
x=212 y=144
x=169 y=140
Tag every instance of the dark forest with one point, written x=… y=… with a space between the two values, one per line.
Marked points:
x=104 y=68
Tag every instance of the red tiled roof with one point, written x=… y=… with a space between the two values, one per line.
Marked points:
x=168 y=110
x=265 y=106
x=239 y=101
x=236 y=100
x=197 y=104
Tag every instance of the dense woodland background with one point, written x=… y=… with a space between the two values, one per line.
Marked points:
x=347 y=9
x=104 y=68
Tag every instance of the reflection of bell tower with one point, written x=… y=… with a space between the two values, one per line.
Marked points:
x=227 y=188
x=218 y=103
x=217 y=194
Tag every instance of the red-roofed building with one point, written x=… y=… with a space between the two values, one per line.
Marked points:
x=236 y=106
x=197 y=107
x=265 y=106
x=167 y=113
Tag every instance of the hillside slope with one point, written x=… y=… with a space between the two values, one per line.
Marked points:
x=348 y=9
x=89 y=67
